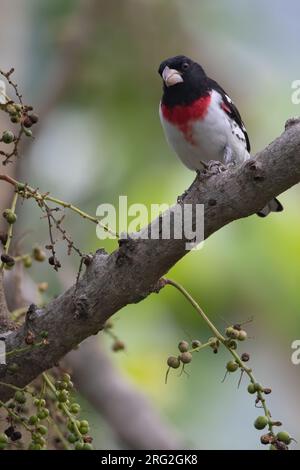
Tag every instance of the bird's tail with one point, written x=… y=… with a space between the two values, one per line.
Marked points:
x=272 y=206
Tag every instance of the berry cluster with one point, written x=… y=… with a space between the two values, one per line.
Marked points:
x=234 y=335
x=32 y=411
x=19 y=114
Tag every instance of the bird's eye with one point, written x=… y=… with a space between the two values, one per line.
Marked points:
x=185 y=66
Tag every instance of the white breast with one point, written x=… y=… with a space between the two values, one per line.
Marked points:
x=212 y=137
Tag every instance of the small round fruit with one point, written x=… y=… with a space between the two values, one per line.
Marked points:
x=72 y=438
x=118 y=346
x=20 y=397
x=33 y=419
x=232 y=366
x=66 y=377
x=242 y=335
x=183 y=346
x=8 y=137
x=10 y=216
x=38 y=254
x=231 y=332
x=27 y=261
x=42 y=429
x=87 y=446
x=261 y=422
x=284 y=436
x=3 y=438
x=16 y=436
x=173 y=362
x=186 y=357
x=251 y=388
x=79 y=446
x=245 y=357
x=74 y=408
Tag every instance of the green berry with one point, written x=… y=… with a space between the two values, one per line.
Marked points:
x=62 y=396
x=79 y=446
x=28 y=132
x=284 y=436
x=72 y=438
x=84 y=423
x=232 y=366
x=59 y=385
x=27 y=261
x=8 y=137
x=66 y=377
x=38 y=254
x=261 y=422
x=74 y=408
x=34 y=446
x=15 y=119
x=70 y=425
x=242 y=335
x=20 y=397
x=87 y=446
x=10 y=216
x=232 y=332
x=33 y=419
x=42 y=429
x=173 y=362
x=43 y=414
x=3 y=438
x=183 y=346
x=251 y=388
x=83 y=430
x=11 y=109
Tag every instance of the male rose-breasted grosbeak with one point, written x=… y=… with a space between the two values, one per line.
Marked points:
x=200 y=121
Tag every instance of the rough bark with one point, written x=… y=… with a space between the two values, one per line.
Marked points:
x=132 y=272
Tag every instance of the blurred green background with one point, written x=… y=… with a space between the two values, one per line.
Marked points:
x=102 y=138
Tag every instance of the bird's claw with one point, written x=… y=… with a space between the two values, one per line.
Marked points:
x=214 y=167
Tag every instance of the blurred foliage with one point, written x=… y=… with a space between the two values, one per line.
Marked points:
x=248 y=269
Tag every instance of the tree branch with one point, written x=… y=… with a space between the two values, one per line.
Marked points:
x=4 y=313
x=132 y=272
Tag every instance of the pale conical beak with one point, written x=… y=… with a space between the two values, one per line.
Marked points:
x=171 y=76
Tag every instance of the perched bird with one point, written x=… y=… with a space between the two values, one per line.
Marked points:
x=200 y=121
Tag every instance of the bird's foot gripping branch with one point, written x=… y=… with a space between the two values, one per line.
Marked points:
x=36 y=338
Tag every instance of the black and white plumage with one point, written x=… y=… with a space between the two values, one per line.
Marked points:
x=200 y=121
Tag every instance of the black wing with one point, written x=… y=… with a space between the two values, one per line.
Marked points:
x=230 y=109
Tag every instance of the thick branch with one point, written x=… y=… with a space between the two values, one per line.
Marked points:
x=132 y=272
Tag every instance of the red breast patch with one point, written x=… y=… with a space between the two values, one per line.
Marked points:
x=182 y=116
